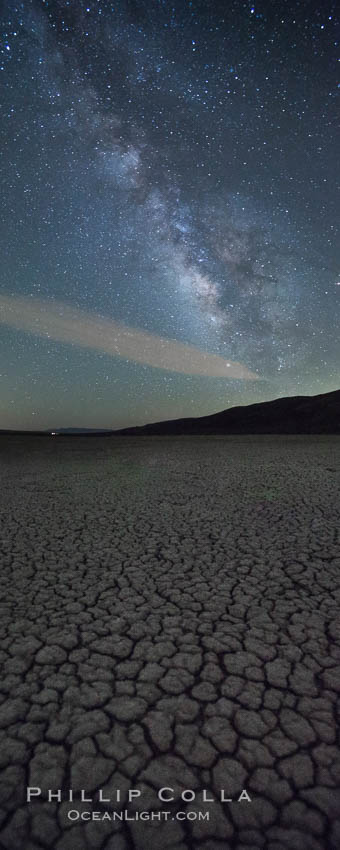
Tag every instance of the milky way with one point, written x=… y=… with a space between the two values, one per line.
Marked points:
x=169 y=167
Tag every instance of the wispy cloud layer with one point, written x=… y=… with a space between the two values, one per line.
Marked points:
x=65 y=324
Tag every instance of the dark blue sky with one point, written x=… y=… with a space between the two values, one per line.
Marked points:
x=169 y=174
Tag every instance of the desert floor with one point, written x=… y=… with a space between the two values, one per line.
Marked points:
x=170 y=617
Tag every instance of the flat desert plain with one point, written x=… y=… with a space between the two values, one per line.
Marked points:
x=170 y=620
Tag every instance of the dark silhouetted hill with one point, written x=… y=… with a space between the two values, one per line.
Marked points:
x=318 y=414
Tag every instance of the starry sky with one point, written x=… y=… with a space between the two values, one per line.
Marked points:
x=169 y=208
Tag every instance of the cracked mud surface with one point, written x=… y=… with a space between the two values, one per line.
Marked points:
x=170 y=617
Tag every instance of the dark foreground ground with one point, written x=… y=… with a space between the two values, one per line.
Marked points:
x=170 y=618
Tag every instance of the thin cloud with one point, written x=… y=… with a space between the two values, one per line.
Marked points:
x=65 y=324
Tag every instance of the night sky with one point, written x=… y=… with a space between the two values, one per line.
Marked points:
x=169 y=211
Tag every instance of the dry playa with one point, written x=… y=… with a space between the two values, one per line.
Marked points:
x=170 y=619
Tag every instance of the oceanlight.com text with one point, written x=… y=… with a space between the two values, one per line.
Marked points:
x=125 y=815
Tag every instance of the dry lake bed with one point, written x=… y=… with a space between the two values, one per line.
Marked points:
x=170 y=628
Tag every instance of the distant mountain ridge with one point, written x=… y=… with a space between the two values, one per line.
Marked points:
x=62 y=432
x=318 y=414
x=81 y=431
